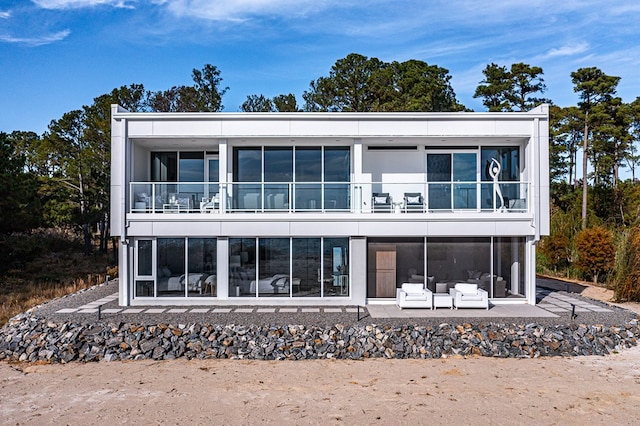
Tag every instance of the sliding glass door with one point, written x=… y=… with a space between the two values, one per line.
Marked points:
x=452 y=180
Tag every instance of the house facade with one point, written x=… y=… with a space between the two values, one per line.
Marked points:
x=326 y=208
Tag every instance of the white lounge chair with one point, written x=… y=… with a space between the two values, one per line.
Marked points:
x=412 y=295
x=467 y=295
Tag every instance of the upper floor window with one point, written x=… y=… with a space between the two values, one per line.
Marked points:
x=164 y=166
x=177 y=166
x=288 y=164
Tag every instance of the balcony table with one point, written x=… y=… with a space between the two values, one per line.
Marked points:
x=173 y=208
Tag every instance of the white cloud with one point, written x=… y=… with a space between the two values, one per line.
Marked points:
x=567 y=50
x=239 y=10
x=79 y=4
x=5 y=14
x=36 y=41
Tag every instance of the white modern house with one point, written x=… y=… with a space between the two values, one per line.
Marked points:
x=326 y=208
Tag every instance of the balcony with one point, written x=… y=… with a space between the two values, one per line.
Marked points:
x=354 y=197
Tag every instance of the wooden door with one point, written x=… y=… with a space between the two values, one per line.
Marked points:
x=386 y=274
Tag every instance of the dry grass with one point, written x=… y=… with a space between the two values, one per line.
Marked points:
x=47 y=278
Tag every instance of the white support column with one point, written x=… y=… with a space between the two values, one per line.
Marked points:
x=357 y=175
x=358 y=270
x=515 y=265
x=223 y=166
x=222 y=271
x=530 y=255
x=536 y=169
x=125 y=274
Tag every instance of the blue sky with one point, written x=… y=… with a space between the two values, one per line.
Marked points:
x=57 y=55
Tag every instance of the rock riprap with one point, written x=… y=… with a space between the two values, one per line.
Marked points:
x=30 y=339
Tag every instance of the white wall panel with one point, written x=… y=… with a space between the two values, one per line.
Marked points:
x=324 y=128
x=116 y=210
x=315 y=229
x=513 y=127
x=393 y=128
x=399 y=228
x=181 y=229
x=256 y=127
x=508 y=229
x=461 y=229
x=140 y=229
x=140 y=128
x=239 y=229
x=186 y=128
x=462 y=128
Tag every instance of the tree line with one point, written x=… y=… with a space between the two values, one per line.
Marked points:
x=61 y=177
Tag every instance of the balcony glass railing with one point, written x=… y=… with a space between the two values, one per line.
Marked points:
x=369 y=197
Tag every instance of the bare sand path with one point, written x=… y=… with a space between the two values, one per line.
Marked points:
x=581 y=390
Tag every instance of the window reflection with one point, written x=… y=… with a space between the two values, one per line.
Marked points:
x=335 y=267
x=273 y=276
x=202 y=279
x=170 y=264
x=306 y=266
x=509 y=159
x=242 y=266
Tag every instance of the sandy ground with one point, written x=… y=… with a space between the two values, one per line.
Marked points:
x=599 y=293
x=581 y=390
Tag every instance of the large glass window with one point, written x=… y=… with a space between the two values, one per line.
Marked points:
x=306 y=265
x=337 y=168
x=304 y=172
x=273 y=276
x=278 y=167
x=508 y=158
x=335 y=267
x=247 y=170
x=289 y=267
x=242 y=266
x=391 y=262
x=453 y=260
x=191 y=169
x=508 y=267
x=164 y=166
x=439 y=170
x=144 y=269
x=202 y=280
x=171 y=267
x=145 y=258
x=308 y=196
x=213 y=175
x=459 y=170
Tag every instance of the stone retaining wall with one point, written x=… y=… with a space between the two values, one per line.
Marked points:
x=31 y=339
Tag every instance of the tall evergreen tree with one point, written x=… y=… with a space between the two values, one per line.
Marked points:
x=204 y=96
x=594 y=87
x=511 y=90
x=360 y=84
x=494 y=88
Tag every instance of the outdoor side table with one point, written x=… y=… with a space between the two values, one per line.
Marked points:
x=442 y=300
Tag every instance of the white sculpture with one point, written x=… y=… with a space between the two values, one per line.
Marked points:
x=494 y=171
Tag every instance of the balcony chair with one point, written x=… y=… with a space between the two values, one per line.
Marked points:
x=413 y=202
x=414 y=295
x=467 y=295
x=381 y=202
x=210 y=206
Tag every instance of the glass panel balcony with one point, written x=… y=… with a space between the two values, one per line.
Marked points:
x=326 y=197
